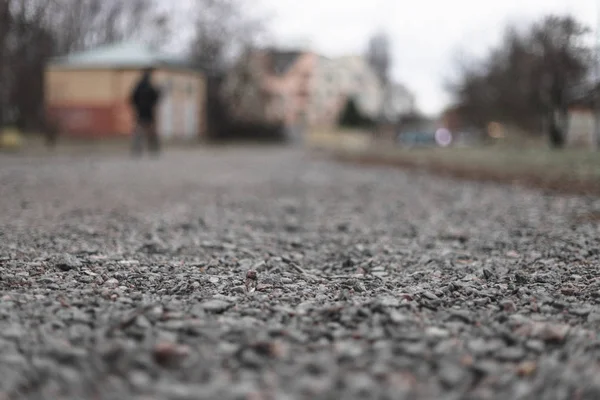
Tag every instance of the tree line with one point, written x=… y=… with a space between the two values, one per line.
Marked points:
x=34 y=31
x=529 y=79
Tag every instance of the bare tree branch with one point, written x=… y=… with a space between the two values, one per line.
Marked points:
x=223 y=28
x=526 y=80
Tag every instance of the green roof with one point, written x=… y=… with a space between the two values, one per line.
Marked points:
x=120 y=55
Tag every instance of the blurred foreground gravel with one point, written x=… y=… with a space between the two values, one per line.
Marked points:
x=128 y=279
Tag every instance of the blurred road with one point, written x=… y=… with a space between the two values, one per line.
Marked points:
x=127 y=279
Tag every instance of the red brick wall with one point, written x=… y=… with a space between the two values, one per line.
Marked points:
x=124 y=118
x=86 y=121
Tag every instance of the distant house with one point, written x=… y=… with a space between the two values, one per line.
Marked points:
x=582 y=120
x=87 y=94
x=301 y=90
x=582 y=127
x=351 y=77
x=339 y=80
x=356 y=79
x=328 y=99
x=272 y=86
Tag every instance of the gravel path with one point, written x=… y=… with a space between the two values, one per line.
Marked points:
x=265 y=274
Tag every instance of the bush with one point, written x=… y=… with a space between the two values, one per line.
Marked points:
x=352 y=117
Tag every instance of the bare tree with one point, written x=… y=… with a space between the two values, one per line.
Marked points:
x=22 y=41
x=379 y=57
x=222 y=30
x=5 y=26
x=34 y=44
x=81 y=24
x=526 y=80
x=562 y=62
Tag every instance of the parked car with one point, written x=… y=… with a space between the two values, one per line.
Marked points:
x=416 y=139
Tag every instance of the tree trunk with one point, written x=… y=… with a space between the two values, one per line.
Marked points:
x=556 y=125
x=5 y=19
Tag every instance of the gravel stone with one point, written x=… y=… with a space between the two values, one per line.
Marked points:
x=511 y=354
x=68 y=262
x=216 y=306
x=437 y=333
x=452 y=375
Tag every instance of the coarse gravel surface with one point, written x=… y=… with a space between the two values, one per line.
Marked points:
x=264 y=273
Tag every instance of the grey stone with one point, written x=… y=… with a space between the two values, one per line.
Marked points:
x=216 y=306
x=451 y=375
x=67 y=262
x=397 y=317
x=12 y=332
x=430 y=295
x=594 y=316
x=512 y=354
x=581 y=312
x=536 y=346
x=508 y=305
x=437 y=333
x=112 y=283
x=460 y=315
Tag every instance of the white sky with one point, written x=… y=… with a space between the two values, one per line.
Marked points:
x=426 y=34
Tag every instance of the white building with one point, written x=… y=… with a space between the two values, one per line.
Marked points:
x=339 y=79
x=357 y=80
x=397 y=101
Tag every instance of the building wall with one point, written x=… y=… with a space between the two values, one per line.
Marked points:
x=581 y=128
x=96 y=102
x=357 y=79
x=91 y=87
x=327 y=100
x=81 y=101
x=293 y=89
x=338 y=80
x=256 y=94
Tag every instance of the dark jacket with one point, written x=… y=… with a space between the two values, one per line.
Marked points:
x=144 y=99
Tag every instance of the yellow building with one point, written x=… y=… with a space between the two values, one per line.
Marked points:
x=87 y=94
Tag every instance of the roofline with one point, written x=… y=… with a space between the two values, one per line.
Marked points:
x=158 y=62
x=89 y=67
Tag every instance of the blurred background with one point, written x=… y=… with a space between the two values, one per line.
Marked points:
x=350 y=76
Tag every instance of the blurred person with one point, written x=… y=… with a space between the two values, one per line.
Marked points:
x=144 y=99
x=51 y=131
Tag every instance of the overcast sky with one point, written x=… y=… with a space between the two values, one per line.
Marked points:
x=426 y=34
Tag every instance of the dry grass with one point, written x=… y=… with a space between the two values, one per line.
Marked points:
x=572 y=171
x=346 y=140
